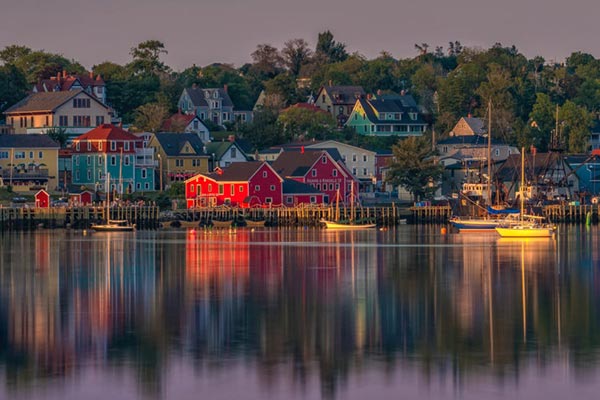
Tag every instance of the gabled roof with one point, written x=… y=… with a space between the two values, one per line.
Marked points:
x=344 y=94
x=297 y=164
x=405 y=99
x=107 y=132
x=173 y=143
x=372 y=107
x=333 y=144
x=291 y=186
x=469 y=126
x=199 y=96
x=47 y=101
x=181 y=119
x=237 y=172
x=27 y=141
x=65 y=82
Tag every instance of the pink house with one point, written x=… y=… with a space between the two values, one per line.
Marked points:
x=241 y=184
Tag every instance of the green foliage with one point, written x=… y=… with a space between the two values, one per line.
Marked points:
x=59 y=135
x=574 y=127
x=301 y=124
x=38 y=64
x=329 y=50
x=414 y=168
x=13 y=86
x=150 y=117
x=146 y=58
x=176 y=189
x=263 y=131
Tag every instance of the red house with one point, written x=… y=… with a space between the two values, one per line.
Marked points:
x=84 y=198
x=42 y=199
x=319 y=169
x=239 y=184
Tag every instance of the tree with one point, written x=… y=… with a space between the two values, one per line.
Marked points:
x=146 y=57
x=329 y=50
x=301 y=123
x=574 y=125
x=542 y=121
x=414 y=167
x=59 y=135
x=13 y=86
x=263 y=131
x=11 y=54
x=150 y=117
x=295 y=54
x=267 y=61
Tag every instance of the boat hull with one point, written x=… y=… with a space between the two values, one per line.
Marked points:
x=337 y=225
x=475 y=224
x=113 y=228
x=525 y=232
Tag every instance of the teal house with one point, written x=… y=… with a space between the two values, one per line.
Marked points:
x=109 y=149
x=387 y=115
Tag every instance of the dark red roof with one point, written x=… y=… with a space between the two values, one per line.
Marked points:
x=237 y=172
x=183 y=119
x=107 y=132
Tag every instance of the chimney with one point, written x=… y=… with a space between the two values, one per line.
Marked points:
x=225 y=88
x=91 y=75
x=231 y=138
x=469 y=115
x=64 y=73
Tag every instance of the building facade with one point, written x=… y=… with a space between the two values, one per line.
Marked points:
x=213 y=104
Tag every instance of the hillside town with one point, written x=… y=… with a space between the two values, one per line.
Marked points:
x=342 y=143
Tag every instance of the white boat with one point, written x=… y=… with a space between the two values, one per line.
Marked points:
x=527 y=226
x=112 y=225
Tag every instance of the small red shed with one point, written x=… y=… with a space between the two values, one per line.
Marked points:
x=42 y=199
x=82 y=199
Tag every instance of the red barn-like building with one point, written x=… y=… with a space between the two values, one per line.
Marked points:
x=42 y=199
x=320 y=170
x=239 y=184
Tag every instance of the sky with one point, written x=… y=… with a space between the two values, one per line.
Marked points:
x=206 y=31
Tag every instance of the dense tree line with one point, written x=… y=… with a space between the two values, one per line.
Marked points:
x=526 y=95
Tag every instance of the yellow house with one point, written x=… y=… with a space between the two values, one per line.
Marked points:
x=179 y=156
x=76 y=111
x=29 y=163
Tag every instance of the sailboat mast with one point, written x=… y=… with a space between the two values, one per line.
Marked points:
x=489 y=154
x=522 y=182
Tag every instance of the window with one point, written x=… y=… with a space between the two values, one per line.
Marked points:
x=144 y=173
x=40 y=154
x=334 y=173
x=81 y=103
x=126 y=160
x=365 y=157
x=195 y=163
x=257 y=188
x=313 y=172
x=337 y=186
x=209 y=188
x=77 y=175
x=63 y=120
x=178 y=163
x=313 y=199
x=195 y=124
x=353 y=157
x=221 y=189
x=77 y=148
x=324 y=160
x=88 y=160
x=233 y=152
x=99 y=120
x=353 y=171
x=365 y=172
x=268 y=200
x=89 y=146
x=89 y=175
x=99 y=145
x=76 y=160
x=19 y=154
x=138 y=186
x=241 y=188
x=126 y=146
x=331 y=186
x=225 y=116
x=146 y=185
x=272 y=188
x=497 y=152
x=99 y=160
x=81 y=120
x=3 y=154
x=318 y=186
x=232 y=190
x=31 y=154
x=113 y=160
x=113 y=145
x=289 y=199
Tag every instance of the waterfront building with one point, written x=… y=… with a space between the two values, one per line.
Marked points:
x=29 y=162
x=240 y=184
x=296 y=193
x=109 y=149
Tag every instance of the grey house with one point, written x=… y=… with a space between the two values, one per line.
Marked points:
x=212 y=104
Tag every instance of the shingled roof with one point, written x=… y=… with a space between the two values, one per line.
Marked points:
x=237 y=172
x=297 y=164
x=341 y=95
x=107 y=132
x=28 y=141
x=392 y=105
x=46 y=101
x=172 y=143
x=199 y=96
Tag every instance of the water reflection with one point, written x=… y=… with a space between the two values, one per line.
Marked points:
x=295 y=313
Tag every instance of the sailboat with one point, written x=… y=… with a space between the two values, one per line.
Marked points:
x=350 y=225
x=495 y=217
x=527 y=226
x=112 y=225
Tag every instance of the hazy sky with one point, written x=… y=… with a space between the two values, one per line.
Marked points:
x=206 y=31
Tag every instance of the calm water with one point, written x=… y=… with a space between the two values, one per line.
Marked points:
x=299 y=314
